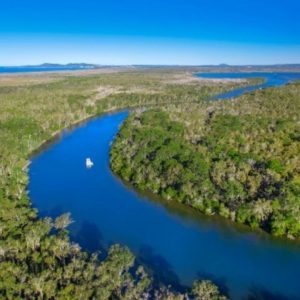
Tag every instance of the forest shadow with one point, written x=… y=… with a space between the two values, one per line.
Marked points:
x=89 y=237
x=52 y=213
x=257 y=293
x=158 y=268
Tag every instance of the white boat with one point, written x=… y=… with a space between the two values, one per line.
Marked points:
x=89 y=163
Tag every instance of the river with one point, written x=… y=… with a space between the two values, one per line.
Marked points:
x=176 y=243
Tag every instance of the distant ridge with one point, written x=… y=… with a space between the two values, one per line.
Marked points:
x=69 y=65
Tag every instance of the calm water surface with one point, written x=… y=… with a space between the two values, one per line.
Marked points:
x=38 y=69
x=271 y=79
x=178 y=244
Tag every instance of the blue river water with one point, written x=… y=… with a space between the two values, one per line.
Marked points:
x=175 y=243
x=271 y=79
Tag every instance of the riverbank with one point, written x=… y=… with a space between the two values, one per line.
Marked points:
x=30 y=115
x=182 y=241
x=226 y=163
x=149 y=228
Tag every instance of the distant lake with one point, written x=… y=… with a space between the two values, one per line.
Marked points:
x=38 y=69
x=176 y=244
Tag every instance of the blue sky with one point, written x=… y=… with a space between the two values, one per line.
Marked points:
x=149 y=31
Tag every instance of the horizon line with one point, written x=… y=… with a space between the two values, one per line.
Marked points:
x=142 y=65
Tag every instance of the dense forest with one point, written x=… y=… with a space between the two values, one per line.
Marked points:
x=238 y=158
x=37 y=258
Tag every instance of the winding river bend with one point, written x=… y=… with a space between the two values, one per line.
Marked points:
x=176 y=243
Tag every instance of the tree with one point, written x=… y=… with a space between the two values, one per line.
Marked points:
x=206 y=290
x=262 y=209
x=63 y=221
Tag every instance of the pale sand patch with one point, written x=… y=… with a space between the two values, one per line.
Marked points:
x=189 y=78
x=13 y=80
x=104 y=70
x=139 y=90
x=29 y=78
x=104 y=91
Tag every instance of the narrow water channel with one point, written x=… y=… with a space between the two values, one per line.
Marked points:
x=176 y=243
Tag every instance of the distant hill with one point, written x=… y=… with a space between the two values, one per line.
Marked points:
x=68 y=66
